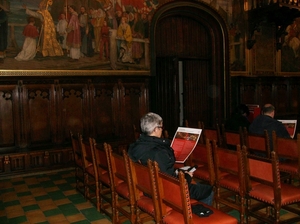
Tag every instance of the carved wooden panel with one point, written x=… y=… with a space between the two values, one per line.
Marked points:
x=38 y=110
x=104 y=109
x=133 y=98
x=8 y=122
x=73 y=108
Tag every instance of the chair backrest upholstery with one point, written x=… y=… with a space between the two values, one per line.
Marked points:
x=287 y=148
x=118 y=171
x=213 y=134
x=232 y=138
x=229 y=161
x=202 y=155
x=142 y=185
x=257 y=143
x=173 y=193
x=262 y=170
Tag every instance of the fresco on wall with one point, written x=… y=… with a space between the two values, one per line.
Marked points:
x=290 y=51
x=94 y=34
x=114 y=34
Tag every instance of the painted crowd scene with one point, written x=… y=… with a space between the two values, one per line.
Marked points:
x=96 y=34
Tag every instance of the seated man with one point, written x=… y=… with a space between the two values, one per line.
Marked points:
x=151 y=146
x=267 y=122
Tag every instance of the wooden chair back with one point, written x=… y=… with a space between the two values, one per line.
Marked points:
x=76 y=149
x=288 y=151
x=212 y=134
x=103 y=177
x=122 y=192
x=91 y=179
x=230 y=182
x=257 y=143
x=78 y=162
x=175 y=204
x=202 y=156
x=172 y=193
x=232 y=138
x=142 y=187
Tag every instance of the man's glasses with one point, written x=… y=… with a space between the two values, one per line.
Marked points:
x=162 y=127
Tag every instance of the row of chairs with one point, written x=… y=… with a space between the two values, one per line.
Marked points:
x=235 y=178
x=288 y=150
x=134 y=192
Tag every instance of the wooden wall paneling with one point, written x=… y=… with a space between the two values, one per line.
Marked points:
x=266 y=92
x=9 y=120
x=281 y=96
x=295 y=95
x=133 y=99
x=249 y=92
x=38 y=105
x=104 y=109
x=73 y=108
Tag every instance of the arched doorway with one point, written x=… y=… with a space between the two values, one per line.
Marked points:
x=189 y=64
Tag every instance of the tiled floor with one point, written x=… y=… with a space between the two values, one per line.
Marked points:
x=50 y=198
x=46 y=198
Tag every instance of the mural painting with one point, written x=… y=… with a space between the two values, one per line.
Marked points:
x=96 y=34
x=76 y=34
x=290 y=51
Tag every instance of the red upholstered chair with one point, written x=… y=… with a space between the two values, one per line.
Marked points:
x=264 y=189
x=78 y=162
x=202 y=156
x=122 y=191
x=212 y=134
x=257 y=143
x=288 y=151
x=175 y=203
x=143 y=193
x=91 y=181
x=230 y=184
x=103 y=178
x=232 y=138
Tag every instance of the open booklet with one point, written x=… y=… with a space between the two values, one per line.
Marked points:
x=290 y=126
x=184 y=142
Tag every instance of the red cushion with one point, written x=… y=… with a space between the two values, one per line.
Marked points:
x=217 y=217
x=230 y=182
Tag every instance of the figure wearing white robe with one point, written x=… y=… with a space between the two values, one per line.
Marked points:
x=29 y=46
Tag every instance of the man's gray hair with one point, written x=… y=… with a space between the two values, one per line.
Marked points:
x=149 y=122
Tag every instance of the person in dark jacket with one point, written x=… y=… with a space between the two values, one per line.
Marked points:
x=266 y=121
x=239 y=118
x=151 y=146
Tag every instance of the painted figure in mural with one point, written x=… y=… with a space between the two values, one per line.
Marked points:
x=61 y=29
x=97 y=22
x=138 y=31
x=292 y=38
x=47 y=44
x=125 y=35
x=3 y=32
x=83 y=21
x=29 y=46
x=104 y=42
x=73 y=37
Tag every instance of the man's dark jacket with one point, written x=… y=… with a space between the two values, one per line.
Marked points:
x=265 y=122
x=159 y=150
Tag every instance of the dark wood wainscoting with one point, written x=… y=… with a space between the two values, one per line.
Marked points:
x=39 y=112
x=282 y=92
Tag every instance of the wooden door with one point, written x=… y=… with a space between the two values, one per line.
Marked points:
x=196 y=35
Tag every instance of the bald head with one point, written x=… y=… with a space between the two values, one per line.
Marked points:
x=269 y=110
